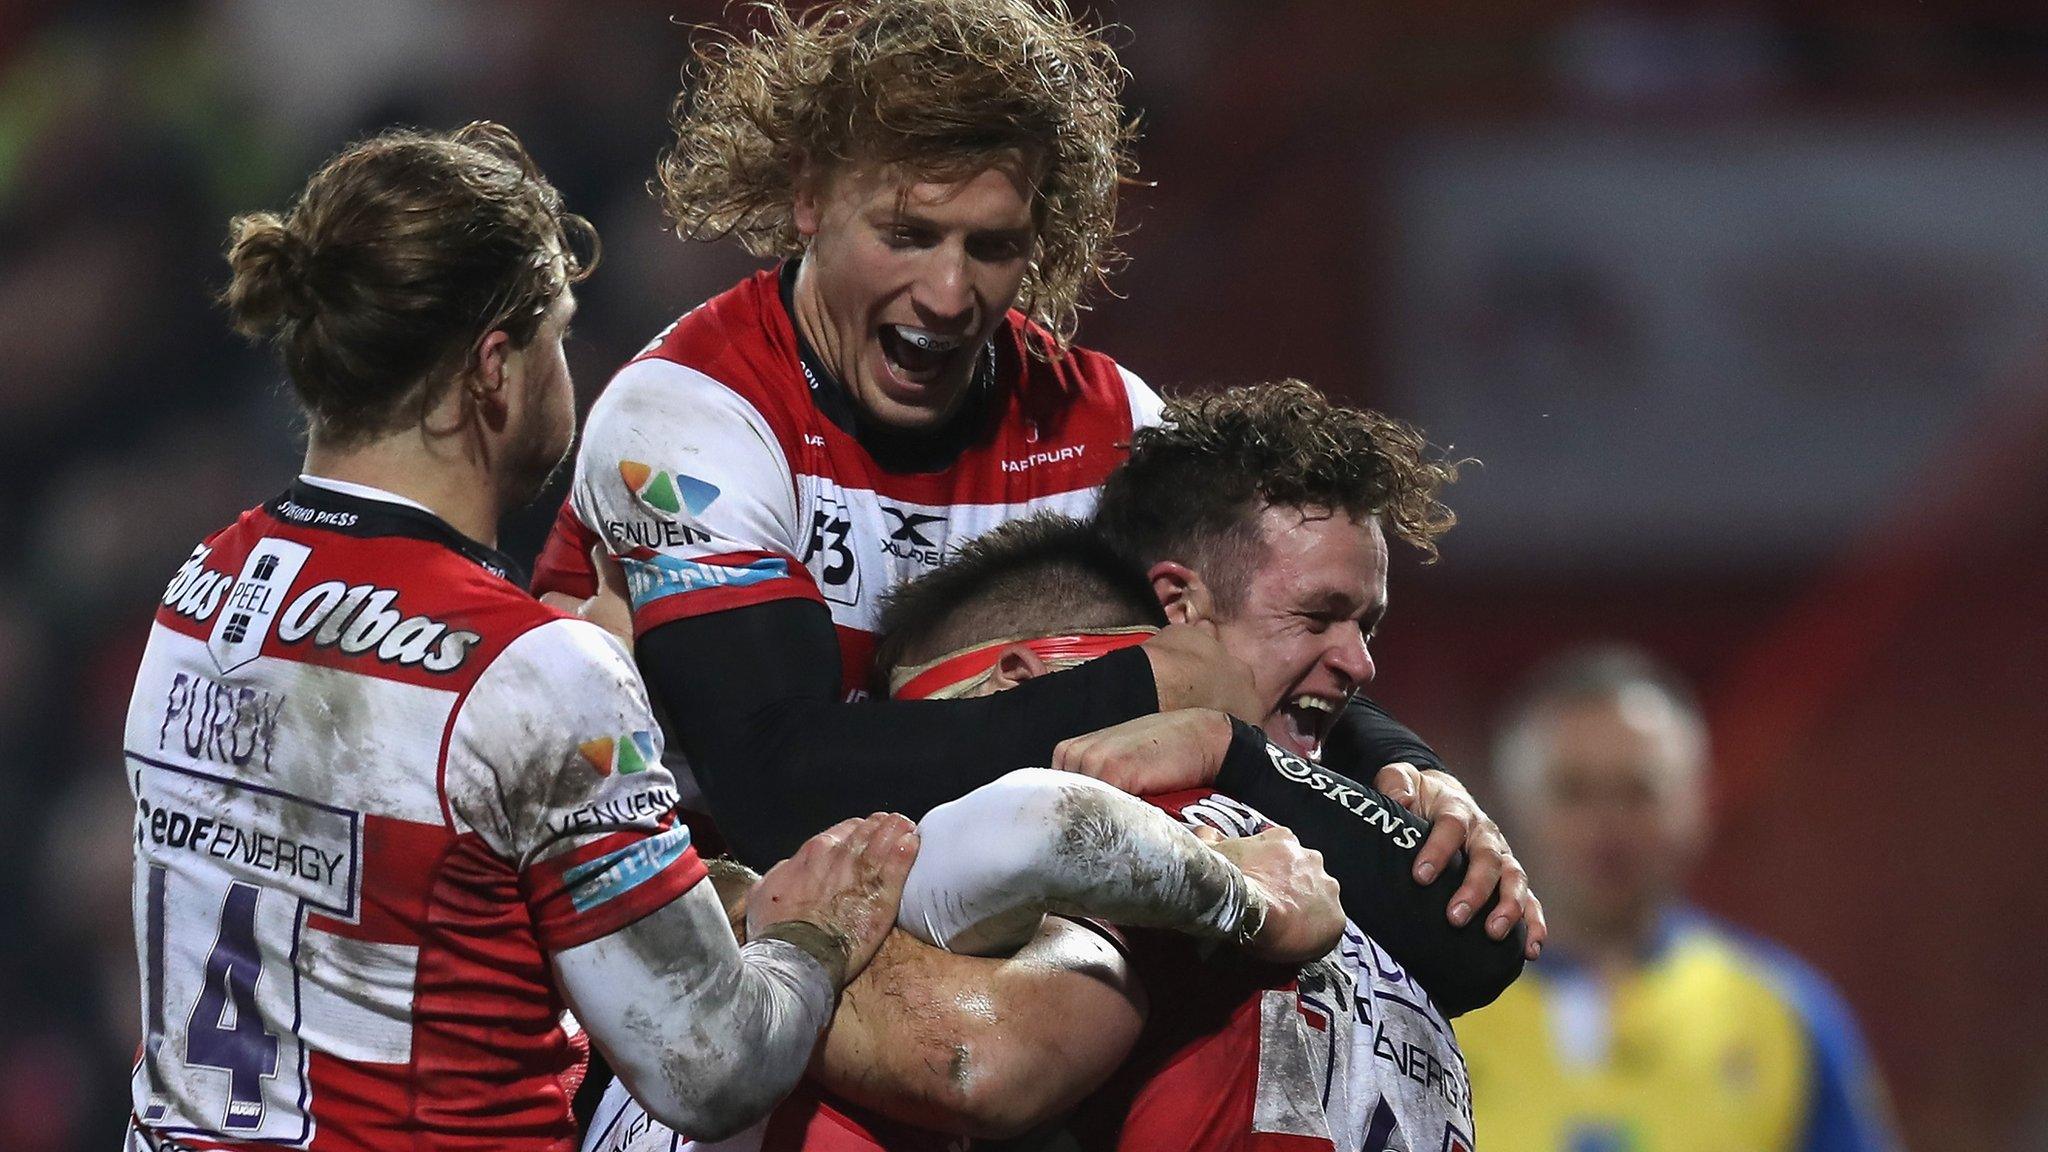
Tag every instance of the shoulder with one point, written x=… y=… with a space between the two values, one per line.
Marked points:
x=1079 y=377
x=563 y=668
x=1810 y=996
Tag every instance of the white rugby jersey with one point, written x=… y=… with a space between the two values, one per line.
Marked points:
x=377 y=786
x=723 y=468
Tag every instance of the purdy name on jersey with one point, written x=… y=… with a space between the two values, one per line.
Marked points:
x=377 y=786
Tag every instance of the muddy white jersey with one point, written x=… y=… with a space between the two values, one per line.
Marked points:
x=377 y=787
x=1348 y=1053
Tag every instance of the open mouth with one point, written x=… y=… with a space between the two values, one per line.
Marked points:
x=1304 y=720
x=916 y=355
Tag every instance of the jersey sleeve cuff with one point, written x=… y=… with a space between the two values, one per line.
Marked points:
x=601 y=887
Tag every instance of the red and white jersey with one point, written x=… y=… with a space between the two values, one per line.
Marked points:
x=723 y=467
x=1346 y=1053
x=377 y=786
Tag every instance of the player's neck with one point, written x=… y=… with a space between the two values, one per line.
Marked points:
x=453 y=488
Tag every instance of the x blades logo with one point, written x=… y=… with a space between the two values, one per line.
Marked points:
x=624 y=755
x=665 y=491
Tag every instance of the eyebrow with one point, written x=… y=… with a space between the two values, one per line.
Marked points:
x=1369 y=620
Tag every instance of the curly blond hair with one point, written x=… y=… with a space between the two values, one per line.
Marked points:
x=1194 y=485
x=943 y=88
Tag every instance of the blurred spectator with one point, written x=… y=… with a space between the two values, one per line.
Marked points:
x=1646 y=1026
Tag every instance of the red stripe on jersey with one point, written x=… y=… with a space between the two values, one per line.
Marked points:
x=394 y=904
x=798 y=585
x=564 y=561
x=857 y=661
x=488 y=1046
x=560 y=925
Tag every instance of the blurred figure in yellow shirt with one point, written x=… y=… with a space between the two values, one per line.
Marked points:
x=1646 y=1026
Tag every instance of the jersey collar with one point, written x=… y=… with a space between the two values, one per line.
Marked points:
x=364 y=512
x=923 y=451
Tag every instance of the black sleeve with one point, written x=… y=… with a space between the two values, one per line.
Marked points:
x=1369 y=843
x=753 y=697
x=1366 y=739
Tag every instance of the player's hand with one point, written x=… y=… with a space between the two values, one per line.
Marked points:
x=840 y=891
x=1304 y=916
x=611 y=608
x=1456 y=821
x=1192 y=669
x=1163 y=752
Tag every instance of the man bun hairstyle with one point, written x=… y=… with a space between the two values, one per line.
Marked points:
x=1041 y=575
x=943 y=88
x=1195 y=484
x=399 y=255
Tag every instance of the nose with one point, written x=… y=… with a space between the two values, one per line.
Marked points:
x=1349 y=656
x=945 y=293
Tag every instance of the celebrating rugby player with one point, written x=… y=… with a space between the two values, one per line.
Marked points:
x=392 y=814
x=1048 y=593
x=938 y=180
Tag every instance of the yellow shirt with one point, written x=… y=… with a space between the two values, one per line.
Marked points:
x=1716 y=1044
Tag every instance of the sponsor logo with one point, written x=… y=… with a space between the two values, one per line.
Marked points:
x=225 y=723
x=669 y=493
x=639 y=808
x=624 y=755
x=258 y=835
x=1049 y=456
x=223 y=838
x=907 y=540
x=651 y=578
x=361 y=620
x=626 y=535
x=614 y=874
x=1366 y=807
x=319 y=517
x=267 y=574
x=196 y=590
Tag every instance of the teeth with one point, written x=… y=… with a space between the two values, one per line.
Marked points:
x=1314 y=703
x=929 y=341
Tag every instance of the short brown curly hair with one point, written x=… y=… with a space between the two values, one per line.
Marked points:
x=1195 y=484
x=943 y=88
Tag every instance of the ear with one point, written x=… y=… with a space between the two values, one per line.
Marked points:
x=1015 y=665
x=494 y=378
x=1182 y=592
x=809 y=208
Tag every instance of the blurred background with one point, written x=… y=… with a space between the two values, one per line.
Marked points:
x=1743 y=306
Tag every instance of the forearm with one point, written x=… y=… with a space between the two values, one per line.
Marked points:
x=982 y=1047
x=707 y=1035
x=1369 y=843
x=753 y=698
x=993 y=862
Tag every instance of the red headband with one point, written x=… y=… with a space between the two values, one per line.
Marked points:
x=974 y=662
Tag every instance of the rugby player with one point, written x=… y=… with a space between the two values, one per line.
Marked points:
x=392 y=814
x=1348 y=1052
x=938 y=178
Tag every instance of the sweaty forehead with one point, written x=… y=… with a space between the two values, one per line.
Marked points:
x=1314 y=552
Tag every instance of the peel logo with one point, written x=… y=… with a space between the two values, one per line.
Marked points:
x=669 y=493
x=623 y=755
